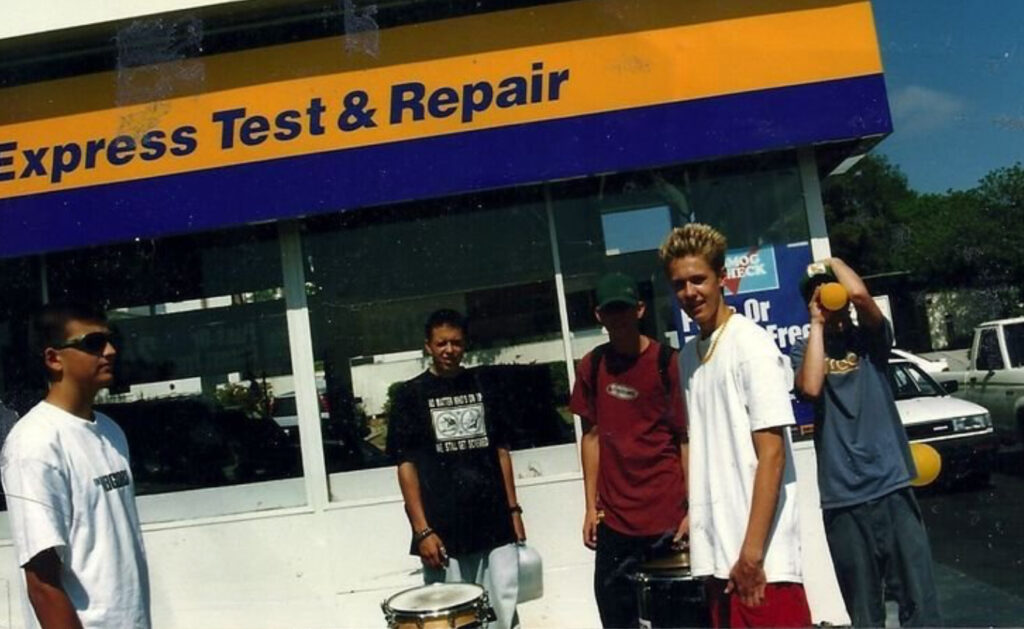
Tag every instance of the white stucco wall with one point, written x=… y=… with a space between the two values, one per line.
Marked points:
x=331 y=568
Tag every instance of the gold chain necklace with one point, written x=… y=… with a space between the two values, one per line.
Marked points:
x=714 y=342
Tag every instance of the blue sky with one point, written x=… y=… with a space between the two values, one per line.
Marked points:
x=955 y=76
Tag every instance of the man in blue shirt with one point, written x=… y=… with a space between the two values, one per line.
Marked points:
x=872 y=521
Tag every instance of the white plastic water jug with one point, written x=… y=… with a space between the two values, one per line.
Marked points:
x=531 y=574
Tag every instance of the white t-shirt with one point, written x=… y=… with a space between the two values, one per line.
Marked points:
x=743 y=387
x=69 y=487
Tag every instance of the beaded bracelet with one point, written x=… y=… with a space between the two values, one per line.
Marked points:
x=422 y=535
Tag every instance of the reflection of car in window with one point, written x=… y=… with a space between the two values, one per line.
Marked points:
x=526 y=394
x=190 y=443
x=960 y=430
x=345 y=449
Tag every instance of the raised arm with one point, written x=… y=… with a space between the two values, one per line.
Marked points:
x=810 y=376
x=869 y=315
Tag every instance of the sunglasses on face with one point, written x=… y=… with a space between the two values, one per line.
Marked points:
x=91 y=343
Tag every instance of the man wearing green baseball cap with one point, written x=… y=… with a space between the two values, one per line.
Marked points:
x=633 y=449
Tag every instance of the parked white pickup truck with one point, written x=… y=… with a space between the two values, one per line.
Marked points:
x=995 y=375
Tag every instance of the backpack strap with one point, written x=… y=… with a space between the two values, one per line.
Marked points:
x=666 y=360
x=596 y=356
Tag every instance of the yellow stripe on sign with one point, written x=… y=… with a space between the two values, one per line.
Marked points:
x=367 y=50
x=443 y=96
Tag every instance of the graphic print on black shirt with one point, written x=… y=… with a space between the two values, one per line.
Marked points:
x=449 y=429
x=459 y=422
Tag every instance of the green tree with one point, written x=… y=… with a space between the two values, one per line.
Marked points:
x=968 y=238
x=862 y=212
x=943 y=245
x=1001 y=212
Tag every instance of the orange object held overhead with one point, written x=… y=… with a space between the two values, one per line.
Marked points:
x=928 y=462
x=833 y=296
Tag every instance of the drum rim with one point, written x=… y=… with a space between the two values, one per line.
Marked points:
x=648 y=577
x=434 y=613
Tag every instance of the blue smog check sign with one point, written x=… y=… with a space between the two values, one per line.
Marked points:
x=750 y=270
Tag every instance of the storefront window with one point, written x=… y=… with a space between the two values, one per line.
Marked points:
x=20 y=385
x=617 y=222
x=203 y=376
x=373 y=278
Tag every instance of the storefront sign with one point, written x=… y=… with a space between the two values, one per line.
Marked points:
x=619 y=92
x=751 y=270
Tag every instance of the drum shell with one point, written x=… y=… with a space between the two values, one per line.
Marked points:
x=462 y=618
x=670 y=598
x=466 y=615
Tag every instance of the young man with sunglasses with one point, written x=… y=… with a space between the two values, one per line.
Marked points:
x=744 y=531
x=633 y=450
x=70 y=495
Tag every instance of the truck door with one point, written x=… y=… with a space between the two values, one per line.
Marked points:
x=983 y=383
x=1009 y=383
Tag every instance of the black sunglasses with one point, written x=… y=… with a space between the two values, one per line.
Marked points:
x=91 y=343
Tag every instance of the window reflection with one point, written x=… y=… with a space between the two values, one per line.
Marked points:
x=373 y=281
x=203 y=356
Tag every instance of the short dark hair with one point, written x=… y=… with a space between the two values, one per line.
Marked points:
x=51 y=322
x=445 y=316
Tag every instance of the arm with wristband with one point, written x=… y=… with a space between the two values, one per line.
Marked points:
x=428 y=542
x=515 y=511
x=400 y=445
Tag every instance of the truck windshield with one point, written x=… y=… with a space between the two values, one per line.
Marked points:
x=1014 y=335
x=909 y=381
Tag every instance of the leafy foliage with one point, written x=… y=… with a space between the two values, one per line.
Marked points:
x=861 y=208
x=950 y=240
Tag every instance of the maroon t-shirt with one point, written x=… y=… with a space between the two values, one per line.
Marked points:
x=640 y=426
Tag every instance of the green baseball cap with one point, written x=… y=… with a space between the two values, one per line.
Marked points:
x=616 y=288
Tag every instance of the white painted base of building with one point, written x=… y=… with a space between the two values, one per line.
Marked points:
x=301 y=568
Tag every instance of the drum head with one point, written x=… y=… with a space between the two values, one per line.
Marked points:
x=436 y=597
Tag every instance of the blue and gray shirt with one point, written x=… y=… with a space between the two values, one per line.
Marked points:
x=861 y=445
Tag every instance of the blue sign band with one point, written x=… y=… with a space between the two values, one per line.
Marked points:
x=632 y=139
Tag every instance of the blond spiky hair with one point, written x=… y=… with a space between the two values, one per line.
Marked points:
x=694 y=239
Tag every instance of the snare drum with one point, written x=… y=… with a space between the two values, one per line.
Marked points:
x=668 y=595
x=438 y=606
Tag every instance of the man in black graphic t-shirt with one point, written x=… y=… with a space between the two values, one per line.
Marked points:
x=455 y=472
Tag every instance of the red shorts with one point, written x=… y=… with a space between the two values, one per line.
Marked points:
x=784 y=605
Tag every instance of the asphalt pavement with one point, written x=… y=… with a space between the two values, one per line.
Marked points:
x=977 y=537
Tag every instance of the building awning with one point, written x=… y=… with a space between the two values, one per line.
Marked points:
x=440 y=108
